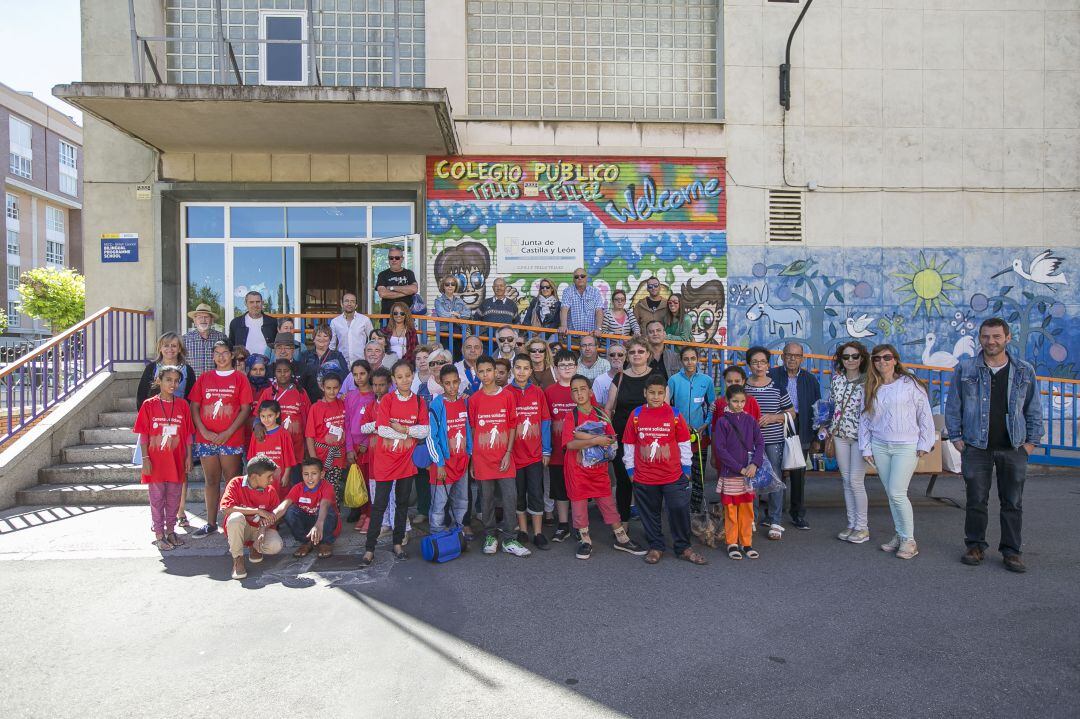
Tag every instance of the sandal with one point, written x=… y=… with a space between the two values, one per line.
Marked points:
x=303 y=550
x=653 y=556
x=182 y=522
x=733 y=552
x=366 y=561
x=401 y=555
x=689 y=555
x=751 y=553
x=325 y=550
x=174 y=540
x=163 y=545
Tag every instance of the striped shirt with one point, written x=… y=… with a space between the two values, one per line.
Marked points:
x=772 y=400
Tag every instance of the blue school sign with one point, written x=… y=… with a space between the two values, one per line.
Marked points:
x=121 y=247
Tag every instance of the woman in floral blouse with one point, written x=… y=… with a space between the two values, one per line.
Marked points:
x=850 y=364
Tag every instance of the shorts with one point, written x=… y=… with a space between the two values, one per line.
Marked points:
x=558 y=483
x=216 y=450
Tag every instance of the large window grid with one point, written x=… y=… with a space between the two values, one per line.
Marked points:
x=69 y=169
x=54 y=252
x=13 y=314
x=20 y=142
x=12 y=244
x=617 y=59
x=54 y=220
x=13 y=277
x=354 y=40
x=11 y=206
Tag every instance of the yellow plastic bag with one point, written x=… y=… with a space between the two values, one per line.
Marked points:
x=356 y=494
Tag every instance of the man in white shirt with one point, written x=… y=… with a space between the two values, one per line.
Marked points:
x=601 y=386
x=253 y=330
x=590 y=364
x=350 y=329
x=471 y=350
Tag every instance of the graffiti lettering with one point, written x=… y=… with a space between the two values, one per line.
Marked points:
x=569 y=172
x=583 y=193
x=496 y=171
x=651 y=202
x=494 y=191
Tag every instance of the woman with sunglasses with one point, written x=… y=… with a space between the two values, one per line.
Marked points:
x=400 y=333
x=438 y=359
x=895 y=430
x=617 y=321
x=540 y=357
x=450 y=306
x=626 y=394
x=850 y=364
x=774 y=403
x=679 y=326
x=545 y=308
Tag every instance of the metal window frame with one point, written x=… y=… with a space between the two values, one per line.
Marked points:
x=302 y=15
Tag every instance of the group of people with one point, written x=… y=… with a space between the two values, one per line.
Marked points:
x=526 y=434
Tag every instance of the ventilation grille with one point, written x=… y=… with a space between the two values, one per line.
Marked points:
x=785 y=216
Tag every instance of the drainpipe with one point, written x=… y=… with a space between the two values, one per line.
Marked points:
x=785 y=69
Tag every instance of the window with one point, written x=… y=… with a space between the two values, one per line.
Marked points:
x=283 y=63
x=11 y=206
x=54 y=220
x=618 y=59
x=13 y=242
x=13 y=277
x=21 y=145
x=69 y=169
x=54 y=252
x=13 y=314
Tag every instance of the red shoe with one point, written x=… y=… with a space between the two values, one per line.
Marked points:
x=362 y=525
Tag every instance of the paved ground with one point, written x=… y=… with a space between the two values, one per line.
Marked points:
x=98 y=624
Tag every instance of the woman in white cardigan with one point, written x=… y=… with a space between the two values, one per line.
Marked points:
x=896 y=428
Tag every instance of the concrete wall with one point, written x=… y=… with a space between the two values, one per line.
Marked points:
x=273 y=167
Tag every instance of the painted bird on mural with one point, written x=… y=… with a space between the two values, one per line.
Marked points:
x=798 y=267
x=965 y=346
x=1044 y=269
x=860 y=326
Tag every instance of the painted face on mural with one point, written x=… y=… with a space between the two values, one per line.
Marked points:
x=469 y=263
x=704 y=305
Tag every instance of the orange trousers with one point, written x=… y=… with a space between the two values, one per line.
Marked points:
x=739 y=524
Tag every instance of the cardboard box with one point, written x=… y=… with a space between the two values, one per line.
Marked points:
x=929 y=463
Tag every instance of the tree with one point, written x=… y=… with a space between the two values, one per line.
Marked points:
x=3 y=321
x=56 y=296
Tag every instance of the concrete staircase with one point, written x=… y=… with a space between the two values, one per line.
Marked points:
x=98 y=471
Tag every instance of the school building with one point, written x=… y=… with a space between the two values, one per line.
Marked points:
x=925 y=173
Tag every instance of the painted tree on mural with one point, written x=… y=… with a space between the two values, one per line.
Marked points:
x=806 y=311
x=1031 y=317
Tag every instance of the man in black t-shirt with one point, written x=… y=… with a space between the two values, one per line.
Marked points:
x=396 y=284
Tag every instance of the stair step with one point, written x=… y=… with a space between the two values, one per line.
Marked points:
x=108 y=435
x=97 y=473
x=89 y=453
x=94 y=494
x=117 y=419
x=126 y=404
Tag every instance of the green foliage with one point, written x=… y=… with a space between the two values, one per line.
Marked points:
x=3 y=321
x=56 y=296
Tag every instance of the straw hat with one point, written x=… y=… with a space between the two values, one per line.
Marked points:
x=203 y=307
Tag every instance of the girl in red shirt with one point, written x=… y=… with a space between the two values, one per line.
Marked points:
x=295 y=406
x=401 y=420
x=325 y=433
x=220 y=407
x=165 y=429
x=274 y=443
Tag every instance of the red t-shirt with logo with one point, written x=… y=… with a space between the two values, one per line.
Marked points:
x=278 y=446
x=392 y=458
x=239 y=494
x=532 y=409
x=492 y=418
x=560 y=402
x=220 y=399
x=656 y=434
x=583 y=482
x=308 y=500
x=168 y=429
x=326 y=425
x=457 y=421
x=295 y=406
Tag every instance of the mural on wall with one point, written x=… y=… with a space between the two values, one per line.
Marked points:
x=928 y=302
x=638 y=218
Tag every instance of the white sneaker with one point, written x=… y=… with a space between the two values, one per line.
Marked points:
x=516 y=548
x=775 y=531
x=858 y=536
x=908 y=549
x=843 y=536
x=892 y=545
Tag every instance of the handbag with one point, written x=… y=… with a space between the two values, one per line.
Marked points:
x=420 y=455
x=445 y=545
x=793 y=454
x=356 y=491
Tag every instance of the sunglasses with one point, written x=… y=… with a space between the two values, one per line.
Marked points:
x=883 y=358
x=437 y=363
x=395 y=259
x=399 y=313
x=536 y=350
x=506 y=339
x=546 y=287
x=580 y=277
x=849 y=357
x=652 y=287
x=616 y=355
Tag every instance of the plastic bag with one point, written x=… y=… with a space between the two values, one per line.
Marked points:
x=766 y=481
x=823 y=409
x=356 y=491
x=592 y=456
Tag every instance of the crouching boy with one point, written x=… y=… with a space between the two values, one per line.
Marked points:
x=248 y=505
x=310 y=511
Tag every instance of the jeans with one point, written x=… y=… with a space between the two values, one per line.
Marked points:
x=300 y=523
x=853 y=473
x=775 y=453
x=453 y=497
x=896 y=463
x=651 y=498
x=508 y=490
x=978 y=467
x=624 y=490
x=697 y=480
x=530 y=488
x=399 y=489
x=423 y=491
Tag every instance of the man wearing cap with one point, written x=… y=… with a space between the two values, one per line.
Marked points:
x=285 y=348
x=199 y=342
x=253 y=329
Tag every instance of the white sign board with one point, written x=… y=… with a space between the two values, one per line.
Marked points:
x=525 y=247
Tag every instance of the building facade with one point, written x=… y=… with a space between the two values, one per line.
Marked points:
x=42 y=189
x=925 y=175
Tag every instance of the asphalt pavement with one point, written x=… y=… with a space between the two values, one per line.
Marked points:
x=97 y=623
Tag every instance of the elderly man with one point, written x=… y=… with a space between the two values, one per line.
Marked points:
x=285 y=348
x=396 y=284
x=350 y=329
x=200 y=340
x=663 y=360
x=471 y=350
x=582 y=306
x=507 y=339
x=376 y=355
x=653 y=306
x=601 y=386
x=498 y=309
x=803 y=389
x=590 y=364
x=253 y=329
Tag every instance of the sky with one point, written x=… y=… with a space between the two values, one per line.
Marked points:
x=40 y=47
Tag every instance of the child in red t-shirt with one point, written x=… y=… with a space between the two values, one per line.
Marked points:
x=450 y=444
x=295 y=406
x=532 y=450
x=275 y=443
x=325 y=433
x=310 y=511
x=657 y=455
x=561 y=402
x=248 y=507
x=734 y=376
x=585 y=483
x=401 y=420
x=493 y=418
x=165 y=432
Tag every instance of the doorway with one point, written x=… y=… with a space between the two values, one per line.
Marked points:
x=326 y=273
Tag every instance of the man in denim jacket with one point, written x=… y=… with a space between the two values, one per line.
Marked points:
x=994 y=418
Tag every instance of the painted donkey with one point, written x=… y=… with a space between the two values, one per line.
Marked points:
x=778 y=316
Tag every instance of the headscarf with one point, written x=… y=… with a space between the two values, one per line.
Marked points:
x=258 y=384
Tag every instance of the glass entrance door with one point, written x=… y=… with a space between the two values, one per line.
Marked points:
x=269 y=270
x=377 y=252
